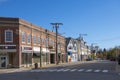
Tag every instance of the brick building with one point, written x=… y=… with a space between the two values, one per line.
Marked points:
x=22 y=43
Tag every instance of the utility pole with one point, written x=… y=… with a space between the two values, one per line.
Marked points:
x=56 y=25
x=81 y=38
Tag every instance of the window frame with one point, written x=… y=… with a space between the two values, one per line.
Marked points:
x=38 y=38
x=34 y=40
x=23 y=37
x=29 y=38
x=6 y=35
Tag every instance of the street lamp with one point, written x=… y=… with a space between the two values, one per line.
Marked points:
x=56 y=25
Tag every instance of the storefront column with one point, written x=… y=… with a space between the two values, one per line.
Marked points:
x=19 y=56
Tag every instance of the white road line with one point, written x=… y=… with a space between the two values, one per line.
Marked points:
x=60 y=70
x=52 y=70
x=73 y=70
x=66 y=70
x=105 y=71
x=89 y=70
x=97 y=71
x=81 y=70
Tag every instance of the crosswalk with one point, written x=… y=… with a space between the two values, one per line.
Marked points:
x=70 y=70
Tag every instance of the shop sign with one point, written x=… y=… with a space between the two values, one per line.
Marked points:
x=26 y=49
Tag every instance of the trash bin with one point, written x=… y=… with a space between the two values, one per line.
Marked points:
x=36 y=65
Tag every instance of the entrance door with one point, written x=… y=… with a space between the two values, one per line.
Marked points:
x=3 y=61
x=52 y=58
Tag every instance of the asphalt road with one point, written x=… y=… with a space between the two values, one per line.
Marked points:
x=103 y=70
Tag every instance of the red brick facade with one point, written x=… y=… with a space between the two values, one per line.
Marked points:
x=26 y=50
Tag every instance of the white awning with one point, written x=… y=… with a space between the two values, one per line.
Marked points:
x=37 y=50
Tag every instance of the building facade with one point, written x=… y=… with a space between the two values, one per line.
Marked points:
x=77 y=50
x=22 y=43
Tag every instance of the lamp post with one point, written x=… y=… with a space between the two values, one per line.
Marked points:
x=81 y=38
x=56 y=25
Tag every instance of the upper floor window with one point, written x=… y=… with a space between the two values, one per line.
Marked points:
x=8 y=36
x=38 y=40
x=46 y=41
x=51 y=42
x=43 y=41
x=34 y=38
x=29 y=38
x=23 y=37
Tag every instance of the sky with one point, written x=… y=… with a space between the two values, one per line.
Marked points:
x=99 y=19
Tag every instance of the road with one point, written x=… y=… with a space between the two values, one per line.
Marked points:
x=103 y=70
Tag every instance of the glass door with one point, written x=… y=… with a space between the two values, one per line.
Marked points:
x=3 y=61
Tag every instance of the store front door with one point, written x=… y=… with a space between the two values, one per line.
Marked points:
x=3 y=61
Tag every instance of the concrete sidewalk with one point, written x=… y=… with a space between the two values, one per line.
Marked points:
x=10 y=70
x=117 y=68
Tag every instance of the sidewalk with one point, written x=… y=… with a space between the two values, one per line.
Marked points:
x=10 y=70
x=117 y=68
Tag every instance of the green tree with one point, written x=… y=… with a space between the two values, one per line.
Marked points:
x=111 y=53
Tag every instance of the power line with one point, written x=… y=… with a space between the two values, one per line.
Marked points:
x=107 y=40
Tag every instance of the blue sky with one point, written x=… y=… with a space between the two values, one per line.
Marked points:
x=99 y=19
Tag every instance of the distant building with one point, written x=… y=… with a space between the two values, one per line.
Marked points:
x=77 y=50
x=71 y=50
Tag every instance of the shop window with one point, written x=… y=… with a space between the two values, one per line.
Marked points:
x=26 y=58
x=8 y=36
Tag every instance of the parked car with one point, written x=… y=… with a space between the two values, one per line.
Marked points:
x=89 y=59
x=112 y=59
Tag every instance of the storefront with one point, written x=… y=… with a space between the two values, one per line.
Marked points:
x=45 y=56
x=8 y=56
x=26 y=56
x=52 y=56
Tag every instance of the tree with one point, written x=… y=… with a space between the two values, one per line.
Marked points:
x=104 y=53
x=111 y=53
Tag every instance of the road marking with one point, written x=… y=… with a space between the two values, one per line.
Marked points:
x=81 y=70
x=89 y=70
x=52 y=70
x=105 y=71
x=73 y=70
x=66 y=70
x=60 y=70
x=97 y=71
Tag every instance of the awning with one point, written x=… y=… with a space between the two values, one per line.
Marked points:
x=37 y=50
